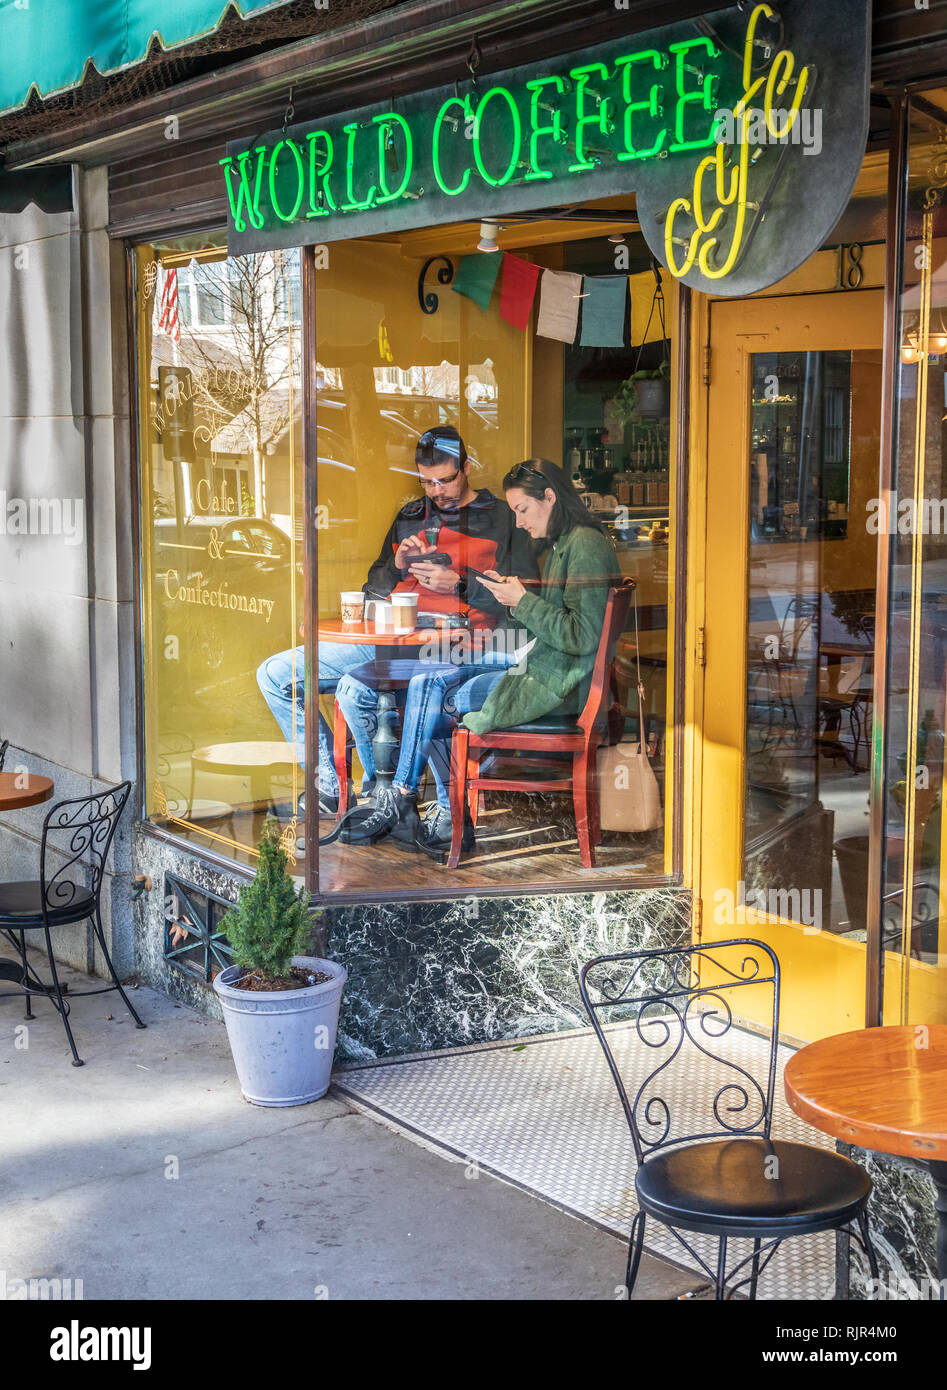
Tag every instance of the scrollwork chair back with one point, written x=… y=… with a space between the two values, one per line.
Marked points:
x=77 y=836
x=674 y=999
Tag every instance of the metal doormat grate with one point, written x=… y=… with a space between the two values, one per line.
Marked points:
x=545 y=1116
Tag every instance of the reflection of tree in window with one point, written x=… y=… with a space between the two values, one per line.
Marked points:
x=241 y=366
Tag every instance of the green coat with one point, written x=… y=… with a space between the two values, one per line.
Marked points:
x=566 y=619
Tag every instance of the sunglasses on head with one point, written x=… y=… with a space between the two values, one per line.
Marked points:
x=522 y=469
x=431 y=443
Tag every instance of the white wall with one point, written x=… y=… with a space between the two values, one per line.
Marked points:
x=67 y=688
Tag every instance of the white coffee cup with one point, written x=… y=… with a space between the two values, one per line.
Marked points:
x=405 y=611
x=381 y=615
x=353 y=607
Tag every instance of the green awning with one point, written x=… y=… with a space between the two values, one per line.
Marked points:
x=47 y=44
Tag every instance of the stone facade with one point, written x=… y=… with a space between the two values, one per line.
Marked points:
x=67 y=586
x=430 y=975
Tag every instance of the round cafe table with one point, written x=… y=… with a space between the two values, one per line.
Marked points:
x=18 y=789
x=334 y=630
x=883 y=1089
x=21 y=789
x=384 y=743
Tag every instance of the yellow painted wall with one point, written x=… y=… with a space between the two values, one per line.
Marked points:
x=368 y=316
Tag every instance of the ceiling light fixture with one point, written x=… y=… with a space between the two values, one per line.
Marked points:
x=488 y=236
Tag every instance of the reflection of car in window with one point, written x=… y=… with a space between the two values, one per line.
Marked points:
x=333 y=450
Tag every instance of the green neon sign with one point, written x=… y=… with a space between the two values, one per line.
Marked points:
x=547 y=126
x=667 y=115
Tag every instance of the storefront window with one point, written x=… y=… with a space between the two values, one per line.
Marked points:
x=914 y=917
x=218 y=346
x=421 y=416
x=399 y=380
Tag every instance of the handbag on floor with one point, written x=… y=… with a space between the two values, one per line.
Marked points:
x=629 y=796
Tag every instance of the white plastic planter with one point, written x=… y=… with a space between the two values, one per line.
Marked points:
x=283 y=1041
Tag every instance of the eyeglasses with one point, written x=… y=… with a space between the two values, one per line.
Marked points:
x=439 y=482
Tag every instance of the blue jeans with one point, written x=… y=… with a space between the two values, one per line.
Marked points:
x=434 y=703
x=358 y=704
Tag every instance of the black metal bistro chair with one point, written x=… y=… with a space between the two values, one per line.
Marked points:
x=76 y=838
x=728 y=1178
x=4 y=745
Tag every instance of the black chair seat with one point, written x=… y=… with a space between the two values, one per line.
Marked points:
x=21 y=904
x=721 y=1187
x=549 y=724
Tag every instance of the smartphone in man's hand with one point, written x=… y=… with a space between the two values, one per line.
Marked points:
x=411 y=548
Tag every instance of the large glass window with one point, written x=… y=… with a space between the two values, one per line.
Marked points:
x=218 y=347
x=389 y=374
x=399 y=380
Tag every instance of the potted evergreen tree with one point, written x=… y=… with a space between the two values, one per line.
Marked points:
x=281 y=1007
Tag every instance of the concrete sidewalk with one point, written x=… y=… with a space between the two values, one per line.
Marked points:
x=146 y=1175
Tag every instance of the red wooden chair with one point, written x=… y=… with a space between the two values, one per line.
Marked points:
x=581 y=736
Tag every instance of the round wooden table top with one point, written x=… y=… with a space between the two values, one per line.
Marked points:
x=20 y=789
x=333 y=630
x=880 y=1088
x=238 y=757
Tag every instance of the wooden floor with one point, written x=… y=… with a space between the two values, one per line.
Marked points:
x=512 y=849
x=382 y=868
x=521 y=841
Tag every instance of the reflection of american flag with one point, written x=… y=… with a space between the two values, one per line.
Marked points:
x=168 y=321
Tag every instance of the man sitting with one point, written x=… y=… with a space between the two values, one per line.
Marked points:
x=474 y=528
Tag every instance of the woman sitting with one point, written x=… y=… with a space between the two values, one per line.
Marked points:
x=562 y=626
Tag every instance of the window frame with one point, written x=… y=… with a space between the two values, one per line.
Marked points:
x=620 y=881
x=310 y=380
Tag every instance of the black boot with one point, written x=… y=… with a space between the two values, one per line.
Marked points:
x=395 y=813
x=407 y=828
x=437 y=828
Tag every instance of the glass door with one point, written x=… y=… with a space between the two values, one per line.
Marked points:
x=914 y=897
x=792 y=536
